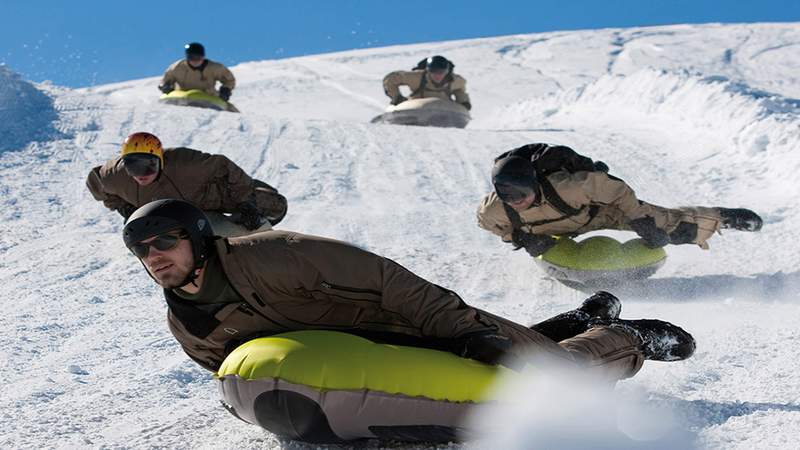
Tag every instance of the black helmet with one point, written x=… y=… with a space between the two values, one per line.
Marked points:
x=513 y=178
x=438 y=63
x=194 y=49
x=161 y=216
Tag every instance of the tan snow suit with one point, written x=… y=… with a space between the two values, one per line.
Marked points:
x=210 y=182
x=454 y=87
x=185 y=77
x=606 y=203
x=289 y=281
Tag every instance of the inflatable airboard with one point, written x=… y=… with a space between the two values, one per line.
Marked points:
x=197 y=98
x=600 y=262
x=429 y=112
x=328 y=387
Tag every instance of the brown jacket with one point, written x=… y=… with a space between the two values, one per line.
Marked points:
x=205 y=78
x=605 y=203
x=289 y=281
x=210 y=182
x=455 y=88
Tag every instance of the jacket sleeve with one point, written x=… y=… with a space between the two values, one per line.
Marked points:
x=235 y=186
x=169 y=75
x=391 y=85
x=95 y=183
x=334 y=272
x=598 y=188
x=226 y=77
x=393 y=81
x=459 y=90
x=492 y=217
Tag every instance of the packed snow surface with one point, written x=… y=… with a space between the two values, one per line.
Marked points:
x=704 y=115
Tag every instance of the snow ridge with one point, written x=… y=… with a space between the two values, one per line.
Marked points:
x=752 y=120
x=26 y=113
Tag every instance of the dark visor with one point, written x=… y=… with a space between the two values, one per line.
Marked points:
x=161 y=243
x=512 y=194
x=141 y=164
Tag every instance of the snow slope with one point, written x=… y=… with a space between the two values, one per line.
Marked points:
x=686 y=114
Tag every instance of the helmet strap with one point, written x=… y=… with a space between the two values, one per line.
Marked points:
x=191 y=278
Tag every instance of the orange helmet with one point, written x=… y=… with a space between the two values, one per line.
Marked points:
x=143 y=143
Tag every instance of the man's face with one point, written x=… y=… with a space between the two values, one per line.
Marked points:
x=142 y=167
x=523 y=203
x=437 y=77
x=146 y=179
x=195 y=61
x=172 y=266
x=518 y=197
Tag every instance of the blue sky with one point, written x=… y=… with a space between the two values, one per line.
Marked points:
x=83 y=43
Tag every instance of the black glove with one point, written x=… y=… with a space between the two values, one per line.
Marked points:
x=249 y=215
x=653 y=236
x=467 y=105
x=126 y=211
x=534 y=244
x=399 y=99
x=600 y=166
x=166 y=88
x=225 y=93
x=486 y=346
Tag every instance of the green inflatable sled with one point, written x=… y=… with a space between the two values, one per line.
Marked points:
x=600 y=262
x=332 y=387
x=197 y=98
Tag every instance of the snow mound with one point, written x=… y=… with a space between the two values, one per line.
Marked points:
x=26 y=113
x=750 y=120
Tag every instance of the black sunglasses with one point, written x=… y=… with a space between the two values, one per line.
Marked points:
x=512 y=194
x=161 y=243
x=141 y=164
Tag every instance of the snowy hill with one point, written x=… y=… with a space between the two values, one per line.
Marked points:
x=26 y=113
x=702 y=115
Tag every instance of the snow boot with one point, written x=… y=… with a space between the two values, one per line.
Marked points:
x=740 y=219
x=661 y=341
x=601 y=305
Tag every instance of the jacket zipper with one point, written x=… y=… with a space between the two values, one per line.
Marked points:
x=327 y=285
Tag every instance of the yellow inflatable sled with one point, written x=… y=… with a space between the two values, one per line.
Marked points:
x=331 y=387
x=197 y=98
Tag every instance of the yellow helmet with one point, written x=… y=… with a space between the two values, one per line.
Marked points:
x=143 y=143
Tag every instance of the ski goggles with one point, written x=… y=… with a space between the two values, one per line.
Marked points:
x=162 y=243
x=512 y=194
x=140 y=164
